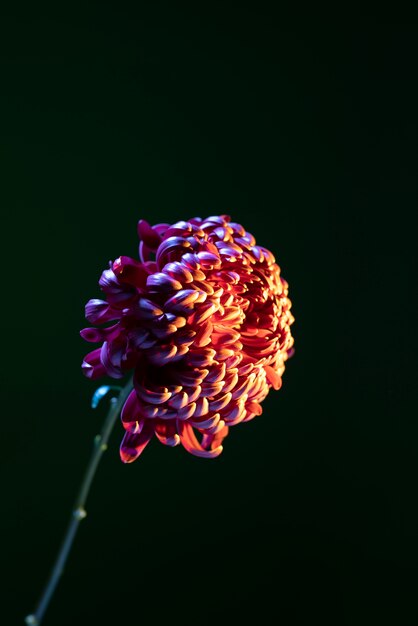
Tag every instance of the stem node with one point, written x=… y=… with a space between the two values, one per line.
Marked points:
x=79 y=514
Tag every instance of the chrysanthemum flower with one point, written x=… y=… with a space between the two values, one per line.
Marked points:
x=203 y=321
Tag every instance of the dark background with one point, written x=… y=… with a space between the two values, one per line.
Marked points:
x=308 y=137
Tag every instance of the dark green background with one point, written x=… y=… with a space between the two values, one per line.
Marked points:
x=308 y=137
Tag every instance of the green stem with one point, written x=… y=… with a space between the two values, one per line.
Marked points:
x=79 y=513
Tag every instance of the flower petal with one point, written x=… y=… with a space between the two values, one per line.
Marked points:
x=92 y=366
x=273 y=377
x=133 y=444
x=191 y=444
x=130 y=413
x=166 y=433
x=99 y=311
x=148 y=235
x=130 y=271
x=163 y=282
x=178 y=271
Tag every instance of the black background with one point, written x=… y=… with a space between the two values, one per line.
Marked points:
x=308 y=137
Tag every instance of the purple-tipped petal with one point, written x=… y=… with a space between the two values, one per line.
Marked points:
x=131 y=411
x=99 y=311
x=92 y=366
x=182 y=302
x=93 y=335
x=178 y=271
x=147 y=309
x=111 y=356
x=162 y=282
x=133 y=444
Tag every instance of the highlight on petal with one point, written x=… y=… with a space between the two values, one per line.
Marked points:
x=202 y=319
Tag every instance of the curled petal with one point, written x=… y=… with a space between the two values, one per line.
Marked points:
x=133 y=444
x=202 y=358
x=185 y=337
x=212 y=389
x=203 y=313
x=224 y=353
x=178 y=271
x=167 y=434
x=171 y=248
x=178 y=321
x=191 y=377
x=164 y=331
x=187 y=411
x=243 y=370
x=227 y=336
x=118 y=294
x=254 y=407
x=243 y=386
x=215 y=439
x=163 y=282
x=147 y=309
x=209 y=259
x=210 y=422
x=93 y=335
x=99 y=311
x=220 y=403
x=202 y=407
x=203 y=335
x=190 y=442
x=237 y=229
x=131 y=411
x=222 y=233
x=92 y=366
x=161 y=355
x=130 y=271
x=194 y=393
x=216 y=373
x=153 y=397
x=235 y=415
x=191 y=261
x=182 y=302
x=229 y=251
x=148 y=235
x=273 y=377
x=111 y=356
x=179 y=400
x=231 y=380
x=215 y=220
x=141 y=339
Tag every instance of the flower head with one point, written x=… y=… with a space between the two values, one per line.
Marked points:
x=203 y=321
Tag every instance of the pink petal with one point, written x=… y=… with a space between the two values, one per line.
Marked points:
x=133 y=444
x=148 y=235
